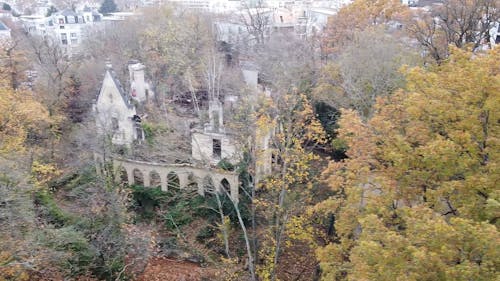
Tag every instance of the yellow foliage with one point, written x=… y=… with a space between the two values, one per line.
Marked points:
x=19 y=113
x=10 y=269
x=43 y=173
x=358 y=16
x=417 y=199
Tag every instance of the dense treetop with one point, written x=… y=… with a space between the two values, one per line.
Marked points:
x=417 y=198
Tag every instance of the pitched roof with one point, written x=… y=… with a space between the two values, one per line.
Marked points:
x=118 y=86
x=68 y=12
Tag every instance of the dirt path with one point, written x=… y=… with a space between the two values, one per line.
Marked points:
x=164 y=269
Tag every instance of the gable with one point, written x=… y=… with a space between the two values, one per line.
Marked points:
x=111 y=94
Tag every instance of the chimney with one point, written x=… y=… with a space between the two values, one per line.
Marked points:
x=137 y=81
x=108 y=64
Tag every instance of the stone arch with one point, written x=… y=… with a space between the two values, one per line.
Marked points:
x=154 y=179
x=225 y=187
x=122 y=175
x=208 y=184
x=138 y=177
x=192 y=183
x=173 y=181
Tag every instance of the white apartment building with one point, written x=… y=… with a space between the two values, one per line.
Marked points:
x=66 y=27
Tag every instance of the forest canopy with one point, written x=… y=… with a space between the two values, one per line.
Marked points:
x=418 y=198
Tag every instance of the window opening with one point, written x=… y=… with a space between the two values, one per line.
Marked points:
x=216 y=148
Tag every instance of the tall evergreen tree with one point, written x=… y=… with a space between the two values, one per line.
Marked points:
x=108 y=6
x=51 y=11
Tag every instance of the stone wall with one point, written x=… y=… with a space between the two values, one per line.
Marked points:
x=203 y=150
x=184 y=175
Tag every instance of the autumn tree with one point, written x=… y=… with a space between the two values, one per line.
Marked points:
x=13 y=57
x=291 y=178
x=286 y=63
x=460 y=23
x=256 y=18
x=53 y=64
x=21 y=118
x=14 y=63
x=37 y=235
x=417 y=196
x=276 y=198
x=356 y=17
x=75 y=106
x=360 y=75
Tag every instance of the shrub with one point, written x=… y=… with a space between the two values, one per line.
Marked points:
x=51 y=211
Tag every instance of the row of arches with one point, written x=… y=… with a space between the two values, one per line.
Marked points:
x=173 y=181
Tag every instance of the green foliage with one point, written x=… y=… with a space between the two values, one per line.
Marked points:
x=51 y=11
x=224 y=164
x=148 y=132
x=61 y=181
x=146 y=199
x=205 y=233
x=72 y=241
x=90 y=244
x=182 y=207
x=339 y=147
x=69 y=181
x=179 y=215
x=182 y=212
x=151 y=130
x=228 y=208
x=327 y=116
x=108 y=6
x=6 y=7
x=75 y=107
x=50 y=210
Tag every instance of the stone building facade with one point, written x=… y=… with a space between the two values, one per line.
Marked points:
x=115 y=112
x=213 y=143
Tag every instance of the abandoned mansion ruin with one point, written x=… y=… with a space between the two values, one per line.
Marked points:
x=119 y=120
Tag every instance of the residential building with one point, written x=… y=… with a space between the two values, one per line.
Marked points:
x=67 y=27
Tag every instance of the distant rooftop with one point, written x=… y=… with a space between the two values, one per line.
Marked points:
x=68 y=12
x=326 y=11
x=423 y=3
x=3 y=26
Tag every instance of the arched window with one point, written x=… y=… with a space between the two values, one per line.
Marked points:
x=173 y=181
x=225 y=187
x=154 y=179
x=208 y=185
x=192 y=182
x=138 y=177
x=123 y=176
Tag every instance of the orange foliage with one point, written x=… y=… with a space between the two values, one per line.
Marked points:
x=358 y=16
